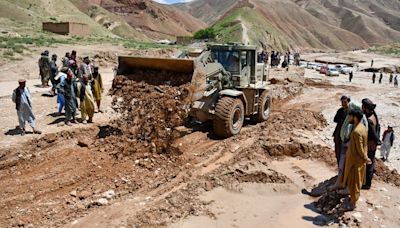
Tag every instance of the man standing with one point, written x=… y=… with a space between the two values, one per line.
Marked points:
x=86 y=68
x=73 y=64
x=351 y=76
x=53 y=72
x=391 y=78
x=23 y=103
x=356 y=158
x=372 y=63
x=44 y=68
x=396 y=82
x=340 y=116
x=373 y=78
x=387 y=139
x=86 y=99
x=272 y=58
x=66 y=58
x=368 y=108
x=69 y=89
x=97 y=85
x=380 y=78
x=60 y=78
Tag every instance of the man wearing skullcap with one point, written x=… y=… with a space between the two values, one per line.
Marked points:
x=23 y=103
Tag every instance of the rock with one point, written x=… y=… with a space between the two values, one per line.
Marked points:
x=83 y=143
x=73 y=193
x=102 y=201
x=84 y=195
x=109 y=194
x=208 y=186
x=357 y=215
x=80 y=206
x=383 y=190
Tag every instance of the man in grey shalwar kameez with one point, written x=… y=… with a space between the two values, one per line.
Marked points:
x=69 y=89
x=23 y=103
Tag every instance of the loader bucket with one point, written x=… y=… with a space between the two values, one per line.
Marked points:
x=165 y=71
x=156 y=71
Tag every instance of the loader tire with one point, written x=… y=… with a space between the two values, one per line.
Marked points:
x=229 y=117
x=264 y=107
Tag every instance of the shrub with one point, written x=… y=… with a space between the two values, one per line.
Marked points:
x=207 y=33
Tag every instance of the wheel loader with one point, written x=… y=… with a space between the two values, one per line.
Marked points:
x=226 y=84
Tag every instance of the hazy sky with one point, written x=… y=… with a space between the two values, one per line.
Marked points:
x=171 y=1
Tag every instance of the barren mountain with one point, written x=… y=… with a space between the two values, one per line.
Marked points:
x=208 y=11
x=375 y=21
x=137 y=19
x=153 y=19
x=321 y=24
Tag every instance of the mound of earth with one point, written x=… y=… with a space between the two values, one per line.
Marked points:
x=149 y=112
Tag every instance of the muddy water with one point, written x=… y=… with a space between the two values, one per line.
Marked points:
x=264 y=205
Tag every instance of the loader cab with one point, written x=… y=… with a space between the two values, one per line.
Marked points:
x=239 y=60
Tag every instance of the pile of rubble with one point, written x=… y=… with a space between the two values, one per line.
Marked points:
x=149 y=113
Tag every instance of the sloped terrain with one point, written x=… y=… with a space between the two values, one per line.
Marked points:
x=337 y=24
x=247 y=26
x=24 y=16
x=375 y=21
x=208 y=11
x=153 y=19
x=136 y=19
x=108 y=20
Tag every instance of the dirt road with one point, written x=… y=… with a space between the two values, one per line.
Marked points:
x=83 y=177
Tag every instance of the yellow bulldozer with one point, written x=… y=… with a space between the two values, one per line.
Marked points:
x=226 y=83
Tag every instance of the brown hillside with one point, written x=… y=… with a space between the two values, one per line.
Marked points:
x=305 y=30
x=376 y=21
x=337 y=24
x=208 y=11
x=154 y=20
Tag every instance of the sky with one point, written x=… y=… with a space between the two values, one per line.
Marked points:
x=171 y=1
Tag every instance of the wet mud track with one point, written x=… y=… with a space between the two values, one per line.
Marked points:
x=113 y=175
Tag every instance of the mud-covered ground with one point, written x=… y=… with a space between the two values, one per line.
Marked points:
x=121 y=171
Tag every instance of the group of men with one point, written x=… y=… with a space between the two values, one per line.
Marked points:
x=392 y=79
x=73 y=85
x=276 y=59
x=356 y=137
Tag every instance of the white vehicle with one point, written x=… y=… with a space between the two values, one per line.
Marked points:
x=344 y=69
x=167 y=42
x=332 y=71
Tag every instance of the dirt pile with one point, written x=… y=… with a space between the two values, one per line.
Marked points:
x=383 y=173
x=105 y=58
x=242 y=176
x=149 y=112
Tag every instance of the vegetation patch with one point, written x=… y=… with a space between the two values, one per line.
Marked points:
x=390 y=49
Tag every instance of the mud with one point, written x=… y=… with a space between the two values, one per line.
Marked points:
x=149 y=114
x=154 y=77
x=385 y=174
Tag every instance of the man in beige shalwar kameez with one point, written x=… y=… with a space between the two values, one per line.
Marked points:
x=356 y=158
x=87 y=102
